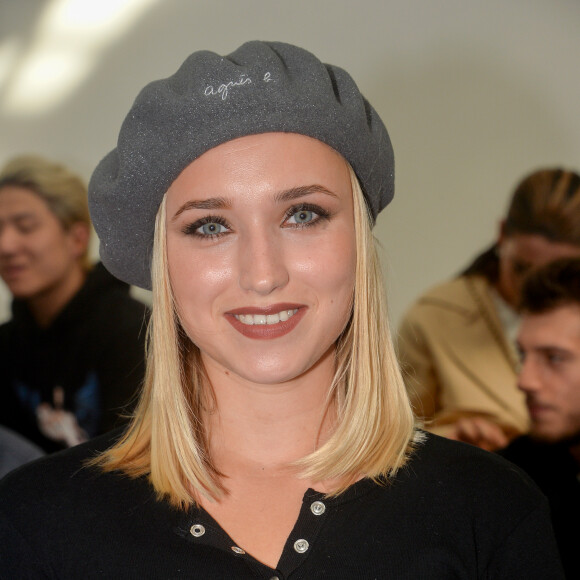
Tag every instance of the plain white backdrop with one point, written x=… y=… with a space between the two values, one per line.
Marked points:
x=475 y=94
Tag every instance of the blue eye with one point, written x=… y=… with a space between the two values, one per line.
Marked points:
x=211 y=229
x=303 y=216
x=207 y=227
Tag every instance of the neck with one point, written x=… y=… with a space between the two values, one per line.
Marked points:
x=46 y=305
x=267 y=427
x=504 y=296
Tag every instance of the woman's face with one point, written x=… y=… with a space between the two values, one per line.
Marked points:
x=521 y=253
x=261 y=253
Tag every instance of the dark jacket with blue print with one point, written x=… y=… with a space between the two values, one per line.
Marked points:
x=82 y=371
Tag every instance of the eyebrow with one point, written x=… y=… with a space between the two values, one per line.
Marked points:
x=211 y=203
x=302 y=191
x=282 y=196
x=20 y=217
x=545 y=348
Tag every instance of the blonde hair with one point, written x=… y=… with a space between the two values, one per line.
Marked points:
x=63 y=191
x=375 y=429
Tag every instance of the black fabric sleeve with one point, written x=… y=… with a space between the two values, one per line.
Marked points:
x=528 y=551
x=17 y=559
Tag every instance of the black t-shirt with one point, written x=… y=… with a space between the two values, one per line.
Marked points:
x=88 y=364
x=454 y=511
x=557 y=474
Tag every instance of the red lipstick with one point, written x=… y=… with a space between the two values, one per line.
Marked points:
x=264 y=323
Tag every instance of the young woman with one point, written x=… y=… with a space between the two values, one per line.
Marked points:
x=274 y=437
x=457 y=342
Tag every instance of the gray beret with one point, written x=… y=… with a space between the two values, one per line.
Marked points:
x=261 y=87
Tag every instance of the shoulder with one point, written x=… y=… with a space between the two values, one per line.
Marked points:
x=5 y=330
x=464 y=512
x=102 y=287
x=519 y=447
x=472 y=476
x=540 y=460
x=455 y=294
x=59 y=515
x=15 y=450
x=448 y=456
x=112 y=306
x=461 y=487
x=121 y=309
x=454 y=302
x=56 y=481
x=62 y=489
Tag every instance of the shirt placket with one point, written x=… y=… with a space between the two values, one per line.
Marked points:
x=200 y=528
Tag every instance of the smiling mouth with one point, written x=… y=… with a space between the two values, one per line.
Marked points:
x=9 y=270
x=265 y=319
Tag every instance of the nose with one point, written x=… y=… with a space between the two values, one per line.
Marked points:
x=262 y=263
x=528 y=376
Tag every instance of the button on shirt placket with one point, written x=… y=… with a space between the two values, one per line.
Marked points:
x=197 y=530
x=299 y=545
x=202 y=529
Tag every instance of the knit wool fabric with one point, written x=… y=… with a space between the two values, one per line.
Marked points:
x=261 y=87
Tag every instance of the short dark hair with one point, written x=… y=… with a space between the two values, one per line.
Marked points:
x=551 y=286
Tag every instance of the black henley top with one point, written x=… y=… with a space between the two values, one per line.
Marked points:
x=454 y=511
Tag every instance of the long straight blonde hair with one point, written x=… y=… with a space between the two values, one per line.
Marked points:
x=375 y=428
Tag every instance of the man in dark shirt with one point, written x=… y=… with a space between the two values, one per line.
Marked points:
x=72 y=356
x=549 y=343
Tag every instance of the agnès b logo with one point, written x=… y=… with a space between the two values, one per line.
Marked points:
x=223 y=90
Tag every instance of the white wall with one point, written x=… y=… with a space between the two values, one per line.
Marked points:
x=475 y=93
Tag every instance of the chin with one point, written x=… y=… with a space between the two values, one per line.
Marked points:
x=21 y=293
x=276 y=376
x=544 y=435
x=275 y=371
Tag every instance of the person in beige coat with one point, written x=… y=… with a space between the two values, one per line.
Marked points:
x=456 y=343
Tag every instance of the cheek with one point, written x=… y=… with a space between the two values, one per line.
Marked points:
x=509 y=284
x=50 y=250
x=570 y=390
x=331 y=269
x=195 y=276
x=40 y=243
x=212 y=275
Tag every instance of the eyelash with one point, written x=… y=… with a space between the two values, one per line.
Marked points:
x=555 y=358
x=320 y=214
x=191 y=229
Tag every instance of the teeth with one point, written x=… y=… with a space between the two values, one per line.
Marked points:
x=251 y=319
